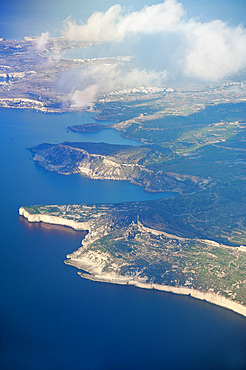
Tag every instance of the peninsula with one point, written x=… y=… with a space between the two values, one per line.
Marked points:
x=191 y=243
x=123 y=246
x=191 y=142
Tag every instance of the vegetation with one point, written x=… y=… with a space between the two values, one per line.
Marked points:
x=194 y=239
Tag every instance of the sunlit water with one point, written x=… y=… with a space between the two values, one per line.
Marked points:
x=53 y=319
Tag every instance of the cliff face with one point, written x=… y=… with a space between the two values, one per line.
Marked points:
x=142 y=266
x=68 y=159
x=98 y=222
x=132 y=243
x=49 y=219
x=62 y=159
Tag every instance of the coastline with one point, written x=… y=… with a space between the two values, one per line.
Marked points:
x=209 y=297
x=78 y=226
x=91 y=272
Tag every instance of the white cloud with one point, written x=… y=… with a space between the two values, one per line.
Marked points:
x=42 y=40
x=184 y=48
x=83 y=85
x=115 y=24
x=55 y=55
x=83 y=98
x=214 y=50
x=53 y=50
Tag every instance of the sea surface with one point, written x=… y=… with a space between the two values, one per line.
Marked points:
x=50 y=318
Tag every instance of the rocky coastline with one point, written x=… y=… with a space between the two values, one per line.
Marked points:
x=92 y=266
x=79 y=226
x=100 y=161
x=209 y=297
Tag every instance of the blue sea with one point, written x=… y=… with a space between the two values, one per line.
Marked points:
x=53 y=319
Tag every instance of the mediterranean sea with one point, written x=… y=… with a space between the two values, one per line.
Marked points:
x=53 y=319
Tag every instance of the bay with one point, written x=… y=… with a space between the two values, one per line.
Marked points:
x=53 y=319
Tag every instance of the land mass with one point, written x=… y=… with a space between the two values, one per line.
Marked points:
x=191 y=142
x=88 y=127
x=116 y=162
x=192 y=243
x=30 y=75
x=124 y=246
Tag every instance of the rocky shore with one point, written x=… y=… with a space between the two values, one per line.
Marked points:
x=100 y=161
x=54 y=220
x=93 y=263
x=204 y=296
